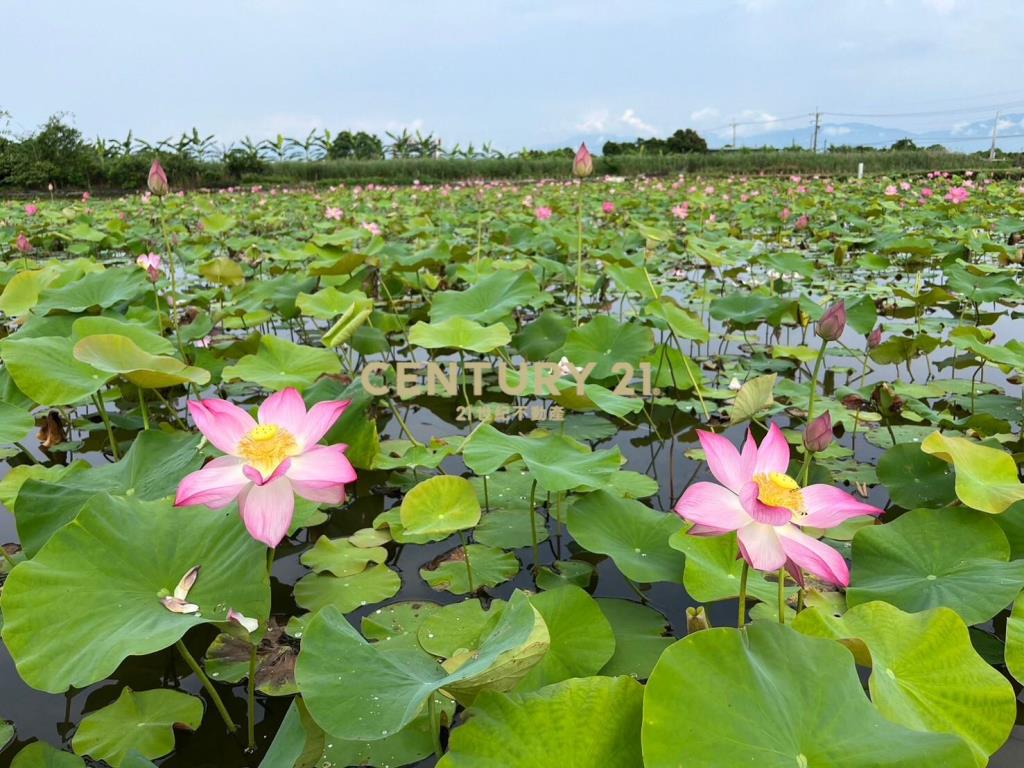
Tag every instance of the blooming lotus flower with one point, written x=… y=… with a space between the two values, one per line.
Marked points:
x=891 y=191
x=31 y=210
x=608 y=207
x=681 y=211
x=543 y=213
x=151 y=263
x=957 y=195
x=333 y=213
x=767 y=508
x=268 y=461
x=926 y=192
x=583 y=163
x=802 y=222
x=157 y=180
x=371 y=227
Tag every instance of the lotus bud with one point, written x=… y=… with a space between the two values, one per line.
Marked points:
x=833 y=322
x=696 y=619
x=818 y=434
x=875 y=337
x=583 y=163
x=157 y=181
x=22 y=244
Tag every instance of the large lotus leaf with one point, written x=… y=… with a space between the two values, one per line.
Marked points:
x=459 y=333
x=915 y=479
x=604 y=342
x=440 y=506
x=491 y=567
x=747 y=309
x=1015 y=639
x=357 y=691
x=558 y=463
x=222 y=271
x=641 y=635
x=22 y=291
x=928 y=558
x=39 y=754
x=925 y=674
x=713 y=569
x=457 y=627
x=373 y=585
x=143 y=721
x=754 y=396
x=91 y=596
x=143 y=335
x=99 y=289
x=986 y=478
x=15 y=423
x=280 y=364
x=591 y=722
x=631 y=533
x=151 y=469
x=540 y=338
x=769 y=696
x=6 y=734
x=113 y=353
x=327 y=303
x=490 y=299
x=341 y=557
x=45 y=369
x=582 y=640
x=683 y=323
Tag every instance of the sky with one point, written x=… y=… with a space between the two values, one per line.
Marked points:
x=513 y=72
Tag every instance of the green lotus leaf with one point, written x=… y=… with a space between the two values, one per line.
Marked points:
x=99 y=289
x=45 y=369
x=914 y=478
x=15 y=423
x=91 y=596
x=280 y=364
x=143 y=335
x=22 y=291
x=604 y=342
x=344 y=327
x=713 y=570
x=222 y=271
x=769 y=696
x=631 y=533
x=491 y=567
x=382 y=691
x=1015 y=639
x=925 y=674
x=591 y=722
x=754 y=396
x=986 y=478
x=373 y=585
x=682 y=322
x=39 y=754
x=457 y=627
x=459 y=333
x=489 y=299
x=117 y=354
x=956 y=558
x=143 y=721
x=6 y=734
x=341 y=557
x=641 y=635
x=440 y=506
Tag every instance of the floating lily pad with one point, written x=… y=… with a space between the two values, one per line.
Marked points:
x=143 y=721
x=341 y=557
x=641 y=635
x=914 y=478
x=986 y=478
x=280 y=364
x=439 y=506
x=376 y=584
x=491 y=567
x=39 y=754
x=15 y=423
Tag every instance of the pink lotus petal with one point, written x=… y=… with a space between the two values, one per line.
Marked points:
x=760 y=511
x=221 y=422
x=712 y=505
x=216 y=485
x=187 y=581
x=760 y=546
x=249 y=625
x=814 y=556
x=828 y=506
x=723 y=460
x=318 y=421
x=174 y=605
x=267 y=510
x=320 y=474
x=773 y=453
x=285 y=409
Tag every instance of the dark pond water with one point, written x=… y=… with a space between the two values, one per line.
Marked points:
x=52 y=718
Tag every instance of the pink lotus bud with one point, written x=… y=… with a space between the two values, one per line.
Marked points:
x=833 y=322
x=157 y=181
x=583 y=163
x=31 y=210
x=818 y=434
x=608 y=206
x=23 y=245
x=875 y=337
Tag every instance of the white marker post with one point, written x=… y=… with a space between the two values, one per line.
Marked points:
x=860 y=170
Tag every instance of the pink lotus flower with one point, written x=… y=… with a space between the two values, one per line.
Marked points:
x=583 y=163
x=767 y=508
x=926 y=192
x=957 y=195
x=157 y=179
x=608 y=207
x=681 y=211
x=543 y=213
x=801 y=222
x=371 y=227
x=31 y=210
x=333 y=213
x=85 y=197
x=22 y=244
x=268 y=461
x=891 y=191
x=784 y=214
x=150 y=262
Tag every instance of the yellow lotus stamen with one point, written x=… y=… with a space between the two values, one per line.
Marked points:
x=266 y=446
x=778 y=490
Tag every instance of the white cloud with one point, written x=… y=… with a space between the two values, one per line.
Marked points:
x=602 y=121
x=633 y=120
x=705 y=115
x=594 y=122
x=835 y=130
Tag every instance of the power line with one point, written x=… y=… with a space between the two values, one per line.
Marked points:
x=932 y=113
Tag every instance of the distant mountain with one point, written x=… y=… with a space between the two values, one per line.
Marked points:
x=963 y=137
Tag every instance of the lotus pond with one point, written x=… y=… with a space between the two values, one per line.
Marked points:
x=608 y=473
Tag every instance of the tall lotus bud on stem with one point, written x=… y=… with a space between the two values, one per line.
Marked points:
x=157 y=181
x=696 y=620
x=22 y=244
x=818 y=434
x=583 y=163
x=875 y=337
x=833 y=322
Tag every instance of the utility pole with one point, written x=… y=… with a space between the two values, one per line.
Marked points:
x=734 y=133
x=992 y=150
x=817 y=127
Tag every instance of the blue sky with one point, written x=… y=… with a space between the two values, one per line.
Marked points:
x=515 y=72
